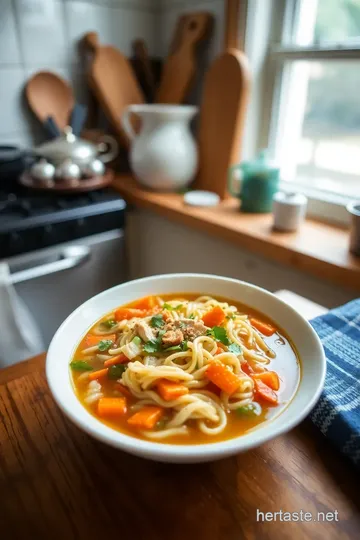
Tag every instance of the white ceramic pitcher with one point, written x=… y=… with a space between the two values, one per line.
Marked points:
x=163 y=155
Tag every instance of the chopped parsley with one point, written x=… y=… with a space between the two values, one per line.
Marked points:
x=110 y=323
x=105 y=344
x=115 y=372
x=169 y=307
x=191 y=316
x=155 y=344
x=182 y=347
x=218 y=333
x=81 y=365
x=234 y=348
x=230 y=316
x=251 y=409
x=161 y=423
x=157 y=321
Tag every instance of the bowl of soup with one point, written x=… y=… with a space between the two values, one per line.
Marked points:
x=185 y=367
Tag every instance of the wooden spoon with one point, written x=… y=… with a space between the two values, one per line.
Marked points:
x=223 y=109
x=50 y=95
x=180 y=66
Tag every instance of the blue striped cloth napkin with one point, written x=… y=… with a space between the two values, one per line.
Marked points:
x=337 y=413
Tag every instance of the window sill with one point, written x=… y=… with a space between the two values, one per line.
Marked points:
x=318 y=249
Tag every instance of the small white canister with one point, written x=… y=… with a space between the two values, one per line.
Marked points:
x=289 y=210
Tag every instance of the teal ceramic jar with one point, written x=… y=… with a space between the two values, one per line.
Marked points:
x=254 y=183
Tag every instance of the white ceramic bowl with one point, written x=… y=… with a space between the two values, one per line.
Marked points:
x=303 y=336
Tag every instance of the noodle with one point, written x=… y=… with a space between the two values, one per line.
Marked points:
x=185 y=362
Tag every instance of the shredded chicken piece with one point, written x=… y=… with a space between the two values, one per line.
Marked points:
x=172 y=337
x=184 y=329
x=192 y=329
x=144 y=331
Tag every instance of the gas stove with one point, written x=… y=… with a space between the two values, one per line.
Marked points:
x=31 y=221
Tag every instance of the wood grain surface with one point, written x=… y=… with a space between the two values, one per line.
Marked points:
x=57 y=482
x=180 y=66
x=317 y=248
x=113 y=82
x=223 y=109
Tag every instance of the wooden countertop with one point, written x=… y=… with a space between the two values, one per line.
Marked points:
x=318 y=249
x=57 y=482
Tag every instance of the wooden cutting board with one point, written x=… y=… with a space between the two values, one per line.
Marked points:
x=143 y=63
x=180 y=67
x=113 y=82
x=223 y=109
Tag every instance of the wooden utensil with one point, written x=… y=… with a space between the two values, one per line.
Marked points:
x=223 y=109
x=50 y=95
x=77 y=119
x=143 y=62
x=113 y=81
x=180 y=67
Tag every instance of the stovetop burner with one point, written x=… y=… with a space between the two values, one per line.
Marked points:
x=24 y=213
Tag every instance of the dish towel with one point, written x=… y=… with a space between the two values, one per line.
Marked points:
x=20 y=337
x=337 y=413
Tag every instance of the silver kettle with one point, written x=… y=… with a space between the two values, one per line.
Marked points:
x=79 y=151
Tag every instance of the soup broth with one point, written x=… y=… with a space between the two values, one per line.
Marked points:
x=185 y=369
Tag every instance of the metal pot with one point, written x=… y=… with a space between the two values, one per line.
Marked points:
x=79 y=151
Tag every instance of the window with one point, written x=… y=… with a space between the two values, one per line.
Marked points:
x=314 y=130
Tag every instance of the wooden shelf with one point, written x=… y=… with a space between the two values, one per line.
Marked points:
x=318 y=249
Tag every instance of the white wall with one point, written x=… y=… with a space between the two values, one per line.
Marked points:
x=42 y=35
x=157 y=246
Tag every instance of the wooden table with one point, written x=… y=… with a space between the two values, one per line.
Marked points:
x=57 y=482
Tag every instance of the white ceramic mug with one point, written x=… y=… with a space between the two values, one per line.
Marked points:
x=163 y=155
x=289 y=210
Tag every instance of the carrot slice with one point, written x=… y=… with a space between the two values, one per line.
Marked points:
x=91 y=340
x=149 y=302
x=119 y=359
x=264 y=392
x=247 y=368
x=214 y=317
x=112 y=406
x=219 y=350
x=223 y=377
x=128 y=313
x=100 y=374
x=147 y=417
x=264 y=328
x=270 y=378
x=170 y=390
x=121 y=388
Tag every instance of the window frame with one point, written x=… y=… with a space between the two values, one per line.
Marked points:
x=269 y=26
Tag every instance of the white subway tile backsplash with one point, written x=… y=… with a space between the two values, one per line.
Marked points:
x=128 y=25
x=9 y=48
x=131 y=4
x=115 y=26
x=42 y=32
x=82 y=17
x=40 y=35
x=12 y=114
x=23 y=139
